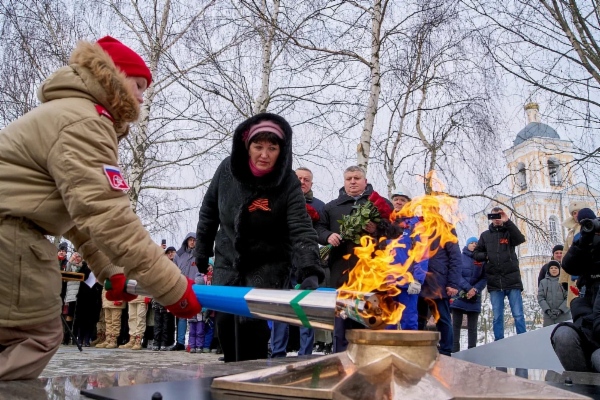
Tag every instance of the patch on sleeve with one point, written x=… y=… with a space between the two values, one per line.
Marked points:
x=115 y=179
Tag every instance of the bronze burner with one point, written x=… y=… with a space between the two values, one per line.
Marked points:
x=384 y=365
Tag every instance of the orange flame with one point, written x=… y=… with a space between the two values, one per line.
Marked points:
x=434 y=311
x=376 y=271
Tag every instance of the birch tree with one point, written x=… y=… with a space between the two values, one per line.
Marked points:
x=38 y=37
x=353 y=33
x=264 y=71
x=164 y=152
x=552 y=48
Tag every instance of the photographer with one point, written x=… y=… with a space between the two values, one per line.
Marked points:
x=496 y=247
x=576 y=343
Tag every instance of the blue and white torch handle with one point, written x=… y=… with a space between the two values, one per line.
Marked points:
x=308 y=308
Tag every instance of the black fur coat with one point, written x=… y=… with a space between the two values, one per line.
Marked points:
x=257 y=248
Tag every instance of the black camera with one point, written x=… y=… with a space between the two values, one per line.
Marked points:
x=494 y=216
x=590 y=225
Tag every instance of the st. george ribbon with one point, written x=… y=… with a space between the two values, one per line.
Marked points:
x=308 y=308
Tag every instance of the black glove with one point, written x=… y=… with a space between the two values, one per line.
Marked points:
x=202 y=264
x=310 y=283
x=586 y=238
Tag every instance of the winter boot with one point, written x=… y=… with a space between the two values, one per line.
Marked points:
x=104 y=343
x=111 y=342
x=137 y=345
x=100 y=337
x=129 y=344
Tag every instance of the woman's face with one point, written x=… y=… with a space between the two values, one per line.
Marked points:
x=138 y=86
x=263 y=154
x=472 y=246
x=554 y=271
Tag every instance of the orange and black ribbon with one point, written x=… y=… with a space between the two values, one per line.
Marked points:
x=259 y=204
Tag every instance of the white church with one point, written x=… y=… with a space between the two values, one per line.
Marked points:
x=541 y=185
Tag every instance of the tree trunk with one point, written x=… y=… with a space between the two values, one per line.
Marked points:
x=262 y=100
x=364 y=147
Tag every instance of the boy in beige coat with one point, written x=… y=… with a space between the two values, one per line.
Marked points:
x=59 y=176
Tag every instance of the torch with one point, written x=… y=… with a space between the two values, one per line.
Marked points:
x=308 y=308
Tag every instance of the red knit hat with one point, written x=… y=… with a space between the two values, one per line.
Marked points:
x=125 y=59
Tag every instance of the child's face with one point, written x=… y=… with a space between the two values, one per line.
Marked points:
x=554 y=271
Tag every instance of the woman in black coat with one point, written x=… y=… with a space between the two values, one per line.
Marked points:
x=87 y=309
x=254 y=215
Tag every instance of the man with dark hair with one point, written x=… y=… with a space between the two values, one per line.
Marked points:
x=496 y=247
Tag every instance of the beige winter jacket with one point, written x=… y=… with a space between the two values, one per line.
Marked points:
x=52 y=172
x=573 y=229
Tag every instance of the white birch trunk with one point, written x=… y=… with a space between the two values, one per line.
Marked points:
x=262 y=100
x=364 y=147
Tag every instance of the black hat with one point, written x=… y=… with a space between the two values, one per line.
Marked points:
x=557 y=248
x=169 y=249
x=585 y=213
x=553 y=263
x=63 y=246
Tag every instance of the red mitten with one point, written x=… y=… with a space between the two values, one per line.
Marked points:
x=147 y=300
x=574 y=290
x=115 y=289
x=188 y=306
x=382 y=206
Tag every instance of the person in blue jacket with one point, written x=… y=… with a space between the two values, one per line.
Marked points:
x=441 y=280
x=471 y=282
x=409 y=295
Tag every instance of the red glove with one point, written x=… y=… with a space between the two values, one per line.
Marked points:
x=188 y=306
x=116 y=290
x=147 y=300
x=574 y=290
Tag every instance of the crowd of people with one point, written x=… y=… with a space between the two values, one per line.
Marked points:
x=259 y=225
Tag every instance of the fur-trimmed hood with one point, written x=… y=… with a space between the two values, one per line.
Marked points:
x=240 y=167
x=570 y=223
x=91 y=74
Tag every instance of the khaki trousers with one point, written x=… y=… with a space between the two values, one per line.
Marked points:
x=25 y=351
x=112 y=316
x=137 y=319
x=101 y=324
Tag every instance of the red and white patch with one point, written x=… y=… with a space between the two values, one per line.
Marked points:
x=103 y=111
x=115 y=179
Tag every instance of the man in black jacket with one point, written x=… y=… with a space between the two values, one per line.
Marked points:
x=577 y=343
x=496 y=247
x=356 y=191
